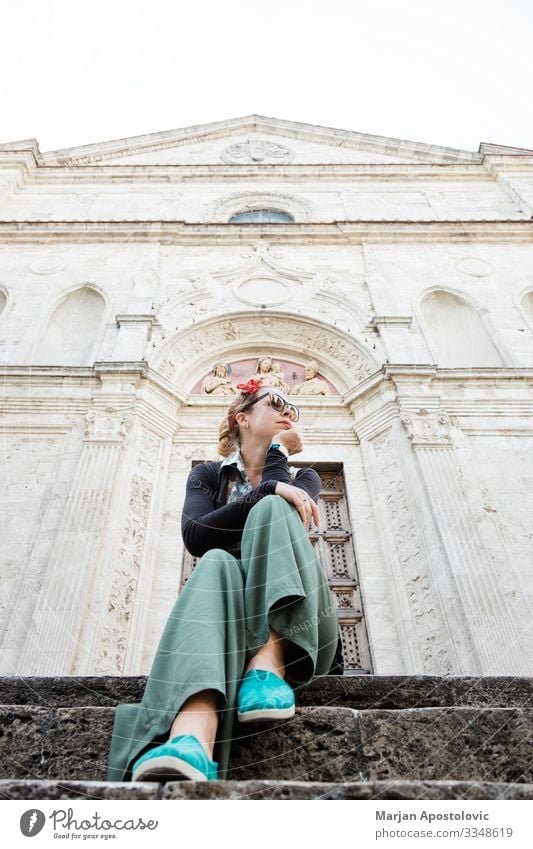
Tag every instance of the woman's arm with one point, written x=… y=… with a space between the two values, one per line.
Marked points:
x=204 y=527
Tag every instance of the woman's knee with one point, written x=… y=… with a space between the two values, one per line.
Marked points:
x=218 y=562
x=271 y=503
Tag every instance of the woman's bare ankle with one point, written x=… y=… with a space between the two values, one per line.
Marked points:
x=199 y=717
x=271 y=656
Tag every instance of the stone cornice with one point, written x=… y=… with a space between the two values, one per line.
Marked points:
x=509 y=231
x=398 y=372
x=393 y=392
x=389 y=371
x=260 y=124
x=520 y=163
x=38 y=174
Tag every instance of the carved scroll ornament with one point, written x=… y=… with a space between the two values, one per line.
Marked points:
x=428 y=428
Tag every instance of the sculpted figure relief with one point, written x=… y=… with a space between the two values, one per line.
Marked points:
x=270 y=373
x=218 y=382
x=312 y=385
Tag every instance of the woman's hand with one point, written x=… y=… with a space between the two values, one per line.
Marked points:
x=290 y=438
x=304 y=504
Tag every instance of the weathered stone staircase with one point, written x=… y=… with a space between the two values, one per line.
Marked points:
x=368 y=737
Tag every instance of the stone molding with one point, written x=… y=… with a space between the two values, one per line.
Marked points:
x=508 y=231
x=378 y=321
x=125 y=319
x=300 y=173
x=264 y=283
x=258 y=124
x=222 y=209
x=260 y=260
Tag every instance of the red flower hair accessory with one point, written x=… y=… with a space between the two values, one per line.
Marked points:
x=246 y=389
x=249 y=388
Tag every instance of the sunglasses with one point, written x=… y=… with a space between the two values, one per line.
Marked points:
x=278 y=404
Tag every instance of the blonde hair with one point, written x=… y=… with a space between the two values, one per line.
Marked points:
x=228 y=431
x=229 y=435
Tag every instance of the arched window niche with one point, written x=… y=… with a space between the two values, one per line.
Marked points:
x=71 y=332
x=262 y=216
x=456 y=331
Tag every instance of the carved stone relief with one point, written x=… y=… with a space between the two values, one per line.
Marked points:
x=197 y=452
x=167 y=368
x=256 y=150
x=269 y=371
x=114 y=636
x=288 y=376
x=312 y=384
x=200 y=343
x=474 y=267
x=48 y=264
x=414 y=573
x=261 y=262
x=218 y=382
x=108 y=425
x=428 y=428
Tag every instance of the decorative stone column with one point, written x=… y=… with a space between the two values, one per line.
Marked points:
x=112 y=640
x=51 y=646
x=415 y=582
x=489 y=621
x=104 y=554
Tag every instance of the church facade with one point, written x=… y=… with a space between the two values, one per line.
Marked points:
x=386 y=286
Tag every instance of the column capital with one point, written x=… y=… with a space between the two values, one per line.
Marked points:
x=427 y=428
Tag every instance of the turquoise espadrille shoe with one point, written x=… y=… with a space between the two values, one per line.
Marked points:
x=183 y=757
x=264 y=695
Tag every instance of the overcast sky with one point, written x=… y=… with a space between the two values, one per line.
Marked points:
x=452 y=73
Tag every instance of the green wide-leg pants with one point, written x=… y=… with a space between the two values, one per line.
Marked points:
x=221 y=619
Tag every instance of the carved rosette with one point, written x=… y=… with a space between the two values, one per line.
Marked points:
x=48 y=264
x=428 y=429
x=426 y=617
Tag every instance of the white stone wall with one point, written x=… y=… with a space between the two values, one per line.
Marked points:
x=105 y=329
x=325 y=201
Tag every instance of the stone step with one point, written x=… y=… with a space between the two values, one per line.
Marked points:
x=30 y=789
x=388 y=692
x=320 y=744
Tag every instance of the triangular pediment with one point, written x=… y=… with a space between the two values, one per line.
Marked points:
x=256 y=140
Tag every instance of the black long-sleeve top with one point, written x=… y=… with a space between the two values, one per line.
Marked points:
x=209 y=522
